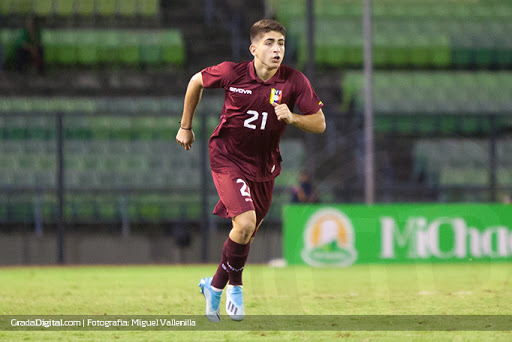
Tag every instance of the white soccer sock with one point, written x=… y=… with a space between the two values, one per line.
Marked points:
x=216 y=289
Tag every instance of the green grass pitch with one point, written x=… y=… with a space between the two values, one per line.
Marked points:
x=417 y=289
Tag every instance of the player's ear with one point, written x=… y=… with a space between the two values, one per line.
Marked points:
x=252 y=49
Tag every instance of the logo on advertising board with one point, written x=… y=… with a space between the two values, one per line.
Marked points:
x=329 y=239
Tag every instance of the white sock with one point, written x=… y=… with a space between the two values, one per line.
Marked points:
x=231 y=286
x=216 y=289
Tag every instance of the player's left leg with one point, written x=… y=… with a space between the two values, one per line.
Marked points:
x=238 y=242
x=262 y=197
x=246 y=203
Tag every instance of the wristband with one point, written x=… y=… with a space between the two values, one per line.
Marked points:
x=186 y=129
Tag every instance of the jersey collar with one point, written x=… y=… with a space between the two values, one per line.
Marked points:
x=277 y=78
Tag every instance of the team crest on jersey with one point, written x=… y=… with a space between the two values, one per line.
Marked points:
x=276 y=95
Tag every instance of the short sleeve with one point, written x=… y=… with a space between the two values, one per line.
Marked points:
x=217 y=76
x=307 y=100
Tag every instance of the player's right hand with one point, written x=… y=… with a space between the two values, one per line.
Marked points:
x=185 y=138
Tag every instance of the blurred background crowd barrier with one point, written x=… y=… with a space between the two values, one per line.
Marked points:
x=116 y=72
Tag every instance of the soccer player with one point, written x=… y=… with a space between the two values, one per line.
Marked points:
x=260 y=96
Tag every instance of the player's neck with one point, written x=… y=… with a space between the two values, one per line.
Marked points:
x=263 y=71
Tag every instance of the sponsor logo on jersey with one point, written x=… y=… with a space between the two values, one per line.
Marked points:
x=276 y=96
x=240 y=90
x=329 y=239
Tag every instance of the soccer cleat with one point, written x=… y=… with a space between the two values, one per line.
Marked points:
x=212 y=299
x=235 y=303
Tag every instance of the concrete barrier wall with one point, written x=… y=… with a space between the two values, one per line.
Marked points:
x=138 y=248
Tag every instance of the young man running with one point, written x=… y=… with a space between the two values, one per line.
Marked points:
x=244 y=148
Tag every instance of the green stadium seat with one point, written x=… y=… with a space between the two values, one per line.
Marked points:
x=173 y=51
x=504 y=52
x=5 y=7
x=148 y=8
x=150 y=48
x=127 y=8
x=81 y=210
x=108 y=47
x=106 y=8
x=147 y=105
x=171 y=211
x=21 y=7
x=7 y=40
x=43 y=8
x=20 y=210
x=50 y=42
x=129 y=50
x=87 y=47
x=63 y=8
x=85 y=8
x=66 y=47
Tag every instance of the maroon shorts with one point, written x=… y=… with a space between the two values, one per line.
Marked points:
x=238 y=195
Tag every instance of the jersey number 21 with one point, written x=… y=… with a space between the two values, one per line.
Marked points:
x=254 y=116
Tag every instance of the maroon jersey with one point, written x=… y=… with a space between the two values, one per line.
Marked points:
x=248 y=134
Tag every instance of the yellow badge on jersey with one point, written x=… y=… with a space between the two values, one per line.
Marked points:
x=276 y=95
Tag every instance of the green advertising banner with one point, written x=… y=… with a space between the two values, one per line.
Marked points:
x=342 y=235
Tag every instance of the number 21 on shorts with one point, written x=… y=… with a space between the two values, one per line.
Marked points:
x=244 y=190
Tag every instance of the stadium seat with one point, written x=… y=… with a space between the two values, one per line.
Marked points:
x=173 y=51
x=149 y=8
x=106 y=8
x=87 y=48
x=127 y=8
x=7 y=40
x=21 y=7
x=66 y=46
x=43 y=8
x=150 y=48
x=108 y=47
x=84 y=8
x=5 y=7
x=129 y=50
x=63 y=8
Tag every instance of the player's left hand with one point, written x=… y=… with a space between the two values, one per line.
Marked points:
x=283 y=113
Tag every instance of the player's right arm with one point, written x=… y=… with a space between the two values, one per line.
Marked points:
x=185 y=136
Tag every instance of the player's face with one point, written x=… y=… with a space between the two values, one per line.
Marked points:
x=269 y=50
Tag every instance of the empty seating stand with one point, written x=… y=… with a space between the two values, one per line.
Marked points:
x=81 y=8
x=452 y=162
x=112 y=142
x=406 y=33
x=434 y=102
x=107 y=47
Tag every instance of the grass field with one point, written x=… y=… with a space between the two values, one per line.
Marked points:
x=441 y=289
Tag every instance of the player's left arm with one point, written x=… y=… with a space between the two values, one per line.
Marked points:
x=313 y=123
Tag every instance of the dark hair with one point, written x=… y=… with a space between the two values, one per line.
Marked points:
x=266 y=25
